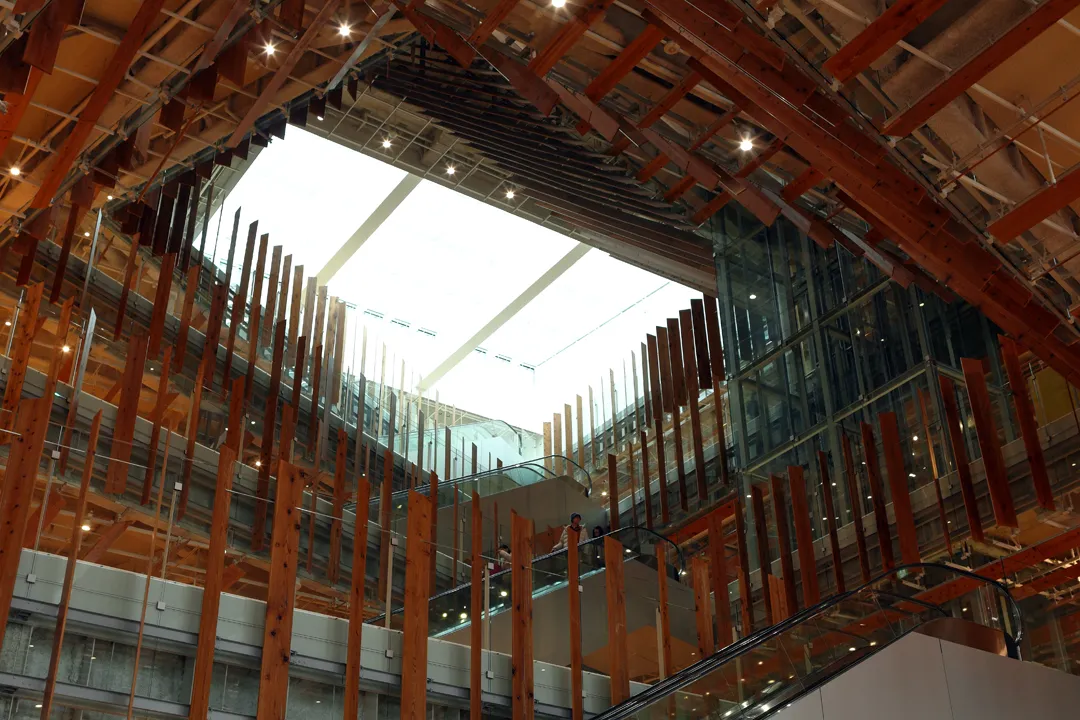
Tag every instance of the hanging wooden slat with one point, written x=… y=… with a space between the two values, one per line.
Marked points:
x=960 y=457
x=1029 y=428
x=573 y=576
x=646 y=483
x=160 y=403
x=418 y=548
x=615 y=587
x=351 y=696
x=997 y=475
x=280 y=594
x=126 y=413
x=719 y=576
x=830 y=521
x=658 y=400
x=761 y=532
x=213 y=333
x=924 y=412
x=613 y=492
x=270 y=317
x=340 y=496
x=192 y=432
x=804 y=536
x=385 y=493
x=877 y=497
x=262 y=487
x=686 y=330
x=854 y=499
x=699 y=574
x=898 y=485
x=190 y=291
x=476 y=607
x=521 y=615
x=746 y=604
x=239 y=306
x=783 y=544
x=212 y=587
x=25 y=330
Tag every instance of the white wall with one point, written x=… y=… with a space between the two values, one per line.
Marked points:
x=923 y=677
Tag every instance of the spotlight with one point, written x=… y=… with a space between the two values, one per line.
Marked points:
x=746 y=145
x=558 y=3
x=15 y=171
x=109 y=197
x=66 y=348
x=86 y=234
x=258 y=463
x=86 y=527
x=7 y=323
x=386 y=143
x=753 y=296
x=450 y=170
x=915 y=438
x=269 y=48
x=344 y=30
x=509 y=194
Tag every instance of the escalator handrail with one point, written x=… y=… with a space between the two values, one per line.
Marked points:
x=678 y=553
x=656 y=692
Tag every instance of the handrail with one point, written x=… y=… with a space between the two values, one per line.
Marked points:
x=697 y=671
x=678 y=552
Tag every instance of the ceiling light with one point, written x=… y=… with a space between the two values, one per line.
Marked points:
x=746 y=145
x=604 y=493
x=386 y=143
x=444 y=614
x=922 y=304
x=319 y=118
x=851 y=649
x=7 y=323
x=86 y=234
x=558 y=3
x=450 y=170
x=344 y=30
x=873 y=643
x=269 y=48
x=834 y=484
x=502 y=593
x=86 y=527
x=39 y=704
x=509 y=194
x=753 y=296
x=258 y=463
x=463 y=615
x=911 y=474
x=66 y=348
x=252 y=422
x=109 y=197
x=15 y=171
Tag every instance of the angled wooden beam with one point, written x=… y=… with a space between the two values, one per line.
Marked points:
x=997 y=476
x=573 y=575
x=105 y=540
x=239 y=306
x=877 y=496
x=677 y=92
x=831 y=521
x=960 y=457
x=699 y=575
x=158 y=413
x=624 y=63
x=271 y=88
x=879 y=37
x=490 y=23
x=340 y=496
x=281 y=594
x=358 y=582
x=17 y=103
x=804 y=536
x=192 y=433
x=783 y=543
x=108 y=81
x=185 y=316
x=667 y=666
x=52 y=507
x=898 y=486
x=414 y=651
x=476 y=599
x=20 y=355
x=219 y=297
x=715 y=205
x=262 y=487
x=855 y=500
x=763 y=156
x=1029 y=428
x=1024 y=31
x=225 y=26
x=658 y=422
x=799 y=186
x=212 y=586
x=126 y=413
x=719 y=576
x=438 y=34
x=568 y=35
x=521 y=656
x=761 y=533
x=1037 y=208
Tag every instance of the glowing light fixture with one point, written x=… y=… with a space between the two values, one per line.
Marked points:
x=15 y=171
x=450 y=170
x=558 y=3
x=66 y=348
x=86 y=234
x=386 y=143
x=269 y=48
x=753 y=296
x=109 y=197
x=86 y=527
x=509 y=194
x=746 y=145
x=344 y=30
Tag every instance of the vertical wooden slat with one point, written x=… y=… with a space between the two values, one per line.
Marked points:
x=997 y=476
x=898 y=485
x=1029 y=428
x=294 y=314
x=192 y=431
x=877 y=497
x=456 y=532
x=645 y=483
x=340 y=495
x=663 y=354
x=213 y=333
x=686 y=328
x=573 y=575
x=351 y=696
x=239 y=306
x=929 y=436
x=613 y=492
x=667 y=666
x=126 y=413
x=212 y=587
x=804 y=536
x=678 y=375
x=521 y=656
x=855 y=500
x=615 y=587
x=783 y=543
x=185 y=316
x=385 y=494
x=557 y=437
x=658 y=405
x=161 y=304
x=745 y=590
x=255 y=316
x=568 y=427
x=719 y=575
x=757 y=497
x=580 y=436
x=280 y=595
x=699 y=574
x=262 y=486
x=417 y=591
x=549 y=461
x=701 y=347
x=960 y=457
x=669 y=345
x=476 y=607
x=25 y=331
x=155 y=432
x=270 y=318
x=592 y=428
x=830 y=520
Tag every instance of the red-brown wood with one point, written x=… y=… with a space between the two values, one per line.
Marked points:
x=1029 y=428
x=783 y=543
x=418 y=548
x=804 y=536
x=213 y=333
x=831 y=521
x=798 y=187
x=613 y=492
x=340 y=496
x=699 y=575
x=667 y=667
x=160 y=403
x=25 y=331
x=262 y=487
x=126 y=413
x=898 y=486
x=761 y=532
x=960 y=457
x=855 y=499
x=573 y=584
x=877 y=496
x=161 y=304
x=719 y=575
x=358 y=581
x=476 y=603
x=746 y=604
x=491 y=22
x=185 y=316
x=634 y=52
x=192 y=432
x=879 y=37
x=615 y=587
x=569 y=34
x=521 y=615
x=997 y=475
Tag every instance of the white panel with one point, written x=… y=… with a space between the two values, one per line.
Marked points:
x=905 y=680
x=983 y=686
x=806 y=708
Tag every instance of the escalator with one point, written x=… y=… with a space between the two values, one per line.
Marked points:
x=450 y=611
x=770 y=669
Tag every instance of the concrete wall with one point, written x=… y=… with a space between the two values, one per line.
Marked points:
x=923 y=677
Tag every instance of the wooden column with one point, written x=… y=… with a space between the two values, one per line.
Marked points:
x=351 y=697
x=645 y=483
x=658 y=404
x=699 y=574
x=960 y=457
x=126 y=412
x=417 y=591
x=192 y=432
x=1029 y=428
x=160 y=403
x=568 y=428
x=783 y=544
x=877 y=497
x=898 y=485
x=20 y=353
x=385 y=494
x=213 y=333
x=667 y=666
x=211 y=596
x=557 y=436
x=929 y=436
x=549 y=461
x=613 y=492
x=757 y=497
x=804 y=536
x=340 y=496
x=746 y=595
x=69 y=572
x=281 y=594
x=997 y=476
x=855 y=500
x=262 y=486
x=521 y=657
x=573 y=585
x=476 y=603
x=719 y=576
x=686 y=328
x=433 y=493
x=830 y=520
x=615 y=586
x=185 y=316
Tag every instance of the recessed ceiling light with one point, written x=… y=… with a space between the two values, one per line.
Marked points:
x=269 y=48
x=753 y=296
x=746 y=145
x=15 y=171
x=915 y=438
x=509 y=194
x=86 y=234
x=386 y=143
x=558 y=3
x=66 y=348
x=344 y=30
x=86 y=527
x=109 y=197
x=258 y=463
x=450 y=170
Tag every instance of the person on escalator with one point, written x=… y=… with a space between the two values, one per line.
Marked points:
x=502 y=558
x=564 y=540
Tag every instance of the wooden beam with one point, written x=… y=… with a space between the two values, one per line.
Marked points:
x=262 y=487
x=761 y=532
x=126 y=413
x=783 y=544
x=613 y=490
x=490 y=23
x=219 y=296
x=1024 y=31
x=677 y=92
x=879 y=37
x=804 y=536
x=831 y=521
x=521 y=656
x=855 y=500
x=573 y=584
x=414 y=654
x=20 y=355
x=746 y=594
x=568 y=35
x=272 y=86
x=689 y=362
x=699 y=575
x=624 y=63
x=108 y=536
x=1037 y=208
x=928 y=434
x=192 y=433
x=646 y=482
x=763 y=156
x=385 y=494
x=69 y=571
x=340 y=496
x=898 y=486
x=1029 y=428
x=212 y=585
x=798 y=187
x=162 y=293
x=351 y=696
x=239 y=306
x=158 y=413
x=280 y=595
x=108 y=81
x=615 y=587
x=877 y=496
x=185 y=315
x=719 y=575
x=997 y=475
x=476 y=599
x=17 y=104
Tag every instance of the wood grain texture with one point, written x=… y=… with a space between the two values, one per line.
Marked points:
x=358 y=581
x=667 y=665
x=761 y=532
x=699 y=576
x=414 y=649
x=476 y=608
x=855 y=500
x=1029 y=428
x=718 y=574
x=830 y=521
x=262 y=486
x=804 y=536
x=615 y=588
x=783 y=543
x=997 y=475
x=960 y=457
x=162 y=294
x=341 y=493
x=126 y=413
x=898 y=485
x=521 y=614
x=877 y=497
x=25 y=330
x=746 y=604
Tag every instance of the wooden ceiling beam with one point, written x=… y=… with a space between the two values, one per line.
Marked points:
x=491 y=23
x=879 y=36
x=567 y=35
x=673 y=96
x=1026 y=30
x=624 y=62
x=1037 y=208
x=800 y=185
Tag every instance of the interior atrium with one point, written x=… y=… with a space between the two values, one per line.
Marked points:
x=615 y=359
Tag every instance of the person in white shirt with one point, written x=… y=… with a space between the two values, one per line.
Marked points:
x=564 y=541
